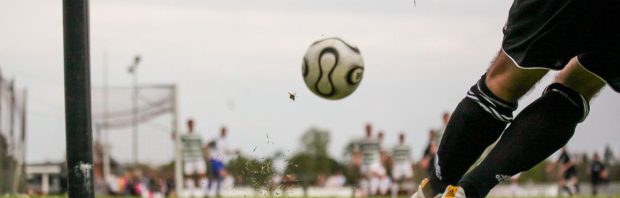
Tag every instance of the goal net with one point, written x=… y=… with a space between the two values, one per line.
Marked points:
x=118 y=109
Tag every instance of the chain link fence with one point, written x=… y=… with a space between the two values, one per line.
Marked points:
x=12 y=137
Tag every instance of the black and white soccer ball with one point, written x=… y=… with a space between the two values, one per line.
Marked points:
x=332 y=68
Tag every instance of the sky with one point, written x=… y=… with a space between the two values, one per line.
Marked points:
x=234 y=62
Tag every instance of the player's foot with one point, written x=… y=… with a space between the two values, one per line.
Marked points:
x=454 y=192
x=424 y=190
x=571 y=189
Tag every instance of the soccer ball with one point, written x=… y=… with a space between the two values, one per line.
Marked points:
x=332 y=68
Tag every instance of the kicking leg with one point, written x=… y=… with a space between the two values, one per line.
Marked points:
x=539 y=130
x=480 y=118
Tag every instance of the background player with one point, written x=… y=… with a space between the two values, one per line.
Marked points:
x=383 y=182
x=438 y=132
x=598 y=174
x=568 y=180
x=194 y=167
x=370 y=162
x=571 y=36
x=402 y=171
x=219 y=154
x=428 y=156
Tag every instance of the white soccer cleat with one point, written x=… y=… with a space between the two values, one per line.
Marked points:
x=424 y=190
x=454 y=192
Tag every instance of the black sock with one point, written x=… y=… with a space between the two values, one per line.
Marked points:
x=539 y=130
x=477 y=122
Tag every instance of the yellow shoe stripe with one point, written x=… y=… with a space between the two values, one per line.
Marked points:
x=423 y=182
x=451 y=191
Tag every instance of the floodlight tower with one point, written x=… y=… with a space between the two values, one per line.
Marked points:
x=132 y=69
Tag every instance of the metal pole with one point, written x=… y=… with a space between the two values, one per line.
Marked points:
x=14 y=145
x=3 y=183
x=178 y=172
x=12 y=110
x=1 y=89
x=133 y=70
x=105 y=146
x=77 y=98
x=106 y=158
x=18 y=181
x=135 y=117
x=13 y=149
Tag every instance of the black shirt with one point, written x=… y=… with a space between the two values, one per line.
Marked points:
x=596 y=169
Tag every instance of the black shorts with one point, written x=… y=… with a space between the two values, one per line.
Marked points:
x=548 y=33
x=571 y=172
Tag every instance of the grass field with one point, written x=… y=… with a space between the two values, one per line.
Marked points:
x=281 y=196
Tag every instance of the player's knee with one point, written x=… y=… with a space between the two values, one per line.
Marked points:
x=508 y=81
x=489 y=102
x=572 y=96
x=577 y=78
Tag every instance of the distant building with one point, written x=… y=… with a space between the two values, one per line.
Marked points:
x=46 y=178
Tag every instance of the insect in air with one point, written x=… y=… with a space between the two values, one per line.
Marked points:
x=291 y=95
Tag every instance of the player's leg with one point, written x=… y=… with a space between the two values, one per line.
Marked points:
x=580 y=80
x=594 y=183
x=384 y=185
x=408 y=181
x=403 y=177
x=202 y=181
x=364 y=183
x=374 y=185
x=397 y=177
x=376 y=172
x=188 y=173
x=538 y=131
x=220 y=174
x=480 y=118
x=562 y=183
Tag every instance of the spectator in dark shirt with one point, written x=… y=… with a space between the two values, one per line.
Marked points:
x=598 y=174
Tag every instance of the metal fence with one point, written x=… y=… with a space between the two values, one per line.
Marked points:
x=12 y=137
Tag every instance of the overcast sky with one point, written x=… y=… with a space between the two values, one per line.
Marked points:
x=234 y=62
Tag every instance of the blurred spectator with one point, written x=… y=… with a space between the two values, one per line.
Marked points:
x=598 y=174
x=428 y=157
x=336 y=180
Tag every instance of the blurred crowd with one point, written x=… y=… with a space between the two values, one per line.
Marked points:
x=369 y=167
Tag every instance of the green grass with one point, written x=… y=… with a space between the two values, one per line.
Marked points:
x=62 y=196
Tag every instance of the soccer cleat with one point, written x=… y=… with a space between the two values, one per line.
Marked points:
x=424 y=190
x=454 y=192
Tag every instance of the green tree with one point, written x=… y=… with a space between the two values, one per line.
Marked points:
x=347 y=153
x=313 y=159
x=252 y=172
x=351 y=172
x=315 y=141
x=538 y=174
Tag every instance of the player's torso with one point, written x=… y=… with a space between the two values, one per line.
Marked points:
x=370 y=149
x=596 y=168
x=192 y=146
x=220 y=149
x=401 y=154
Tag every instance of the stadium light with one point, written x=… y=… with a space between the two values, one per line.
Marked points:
x=132 y=69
